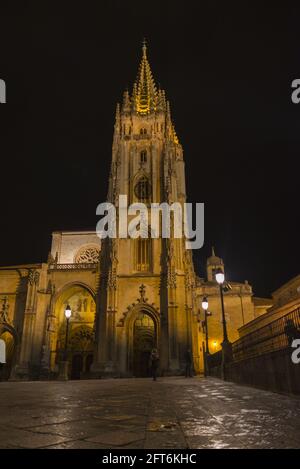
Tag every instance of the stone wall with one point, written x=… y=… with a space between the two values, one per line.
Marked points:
x=272 y=371
x=66 y=245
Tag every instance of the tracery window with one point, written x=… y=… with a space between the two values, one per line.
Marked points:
x=143 y=254
x=88 y=255
x=144 y=320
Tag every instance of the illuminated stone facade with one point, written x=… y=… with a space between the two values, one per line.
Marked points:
x=128 y=295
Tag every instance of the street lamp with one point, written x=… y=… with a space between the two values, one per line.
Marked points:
x=226 y=345
x=68 y=313
x=205 y=303
x=220 y=277
x=206 y=314
x=64 y=365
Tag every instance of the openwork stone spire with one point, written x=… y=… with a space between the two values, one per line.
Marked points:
x=145 y=93
x=146 y=100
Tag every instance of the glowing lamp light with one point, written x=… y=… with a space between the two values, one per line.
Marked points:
x=220 y=277
x=68 y=311
x=205 y=303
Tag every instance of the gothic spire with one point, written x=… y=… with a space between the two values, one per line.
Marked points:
x=161 y=100
x=145 y=89
x=126 y=102
x=170 y=126
x=117 y=118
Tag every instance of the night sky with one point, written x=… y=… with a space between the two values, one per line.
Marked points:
x=227 y=73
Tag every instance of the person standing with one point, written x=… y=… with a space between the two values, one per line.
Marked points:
x=188 y=364
x=154 y=361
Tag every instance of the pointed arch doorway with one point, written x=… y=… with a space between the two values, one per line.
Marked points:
x=9 y=336
x=81 y=351
x=80 y=347
x=144 y=339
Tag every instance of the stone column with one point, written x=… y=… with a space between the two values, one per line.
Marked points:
x=105 y=359
x=50 y=328
x=23 y=367
x=174 y=364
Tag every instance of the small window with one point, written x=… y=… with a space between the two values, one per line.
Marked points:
x=142 y=190
x=143 y=254
x=143 y=131
x=143 y=156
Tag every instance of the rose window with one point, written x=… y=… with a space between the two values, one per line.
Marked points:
x=89 y=255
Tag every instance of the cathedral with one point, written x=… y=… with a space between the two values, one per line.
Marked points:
x=125 y=296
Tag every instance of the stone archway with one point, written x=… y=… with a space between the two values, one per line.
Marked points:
x=143 y=341
x=9 y=336
x=81 y=343
x=81 y=350
x=142 y=336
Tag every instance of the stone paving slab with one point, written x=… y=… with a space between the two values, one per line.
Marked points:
x=139 y=413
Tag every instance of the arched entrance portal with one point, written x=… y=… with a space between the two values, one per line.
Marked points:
x=144 y=340
x=80 y=347
x=5 y=369
x=81 y=351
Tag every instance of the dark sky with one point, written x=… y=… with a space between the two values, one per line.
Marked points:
x=227 y=72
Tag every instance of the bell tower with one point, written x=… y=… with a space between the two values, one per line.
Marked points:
x=213 y=264
x=147 y=166
x=144 y=138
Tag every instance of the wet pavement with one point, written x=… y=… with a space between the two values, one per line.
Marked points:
x=139 y=413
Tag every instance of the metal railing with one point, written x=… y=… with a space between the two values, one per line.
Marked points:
x=276 y=335
x=214 y=359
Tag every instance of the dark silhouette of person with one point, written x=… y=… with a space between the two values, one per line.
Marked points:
x=188 y=364
x=291 y=331
x=154 y=361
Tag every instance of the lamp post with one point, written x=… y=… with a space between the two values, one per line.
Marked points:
x=64 y=364
x=226 y=345
x=220 y=277
x=204 y=305
x=68 y=313
x=206 y=314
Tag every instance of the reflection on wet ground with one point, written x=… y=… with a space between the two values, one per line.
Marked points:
x=139 y=413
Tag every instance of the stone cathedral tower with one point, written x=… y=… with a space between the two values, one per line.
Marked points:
x=146 y=289
x=142 y=294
